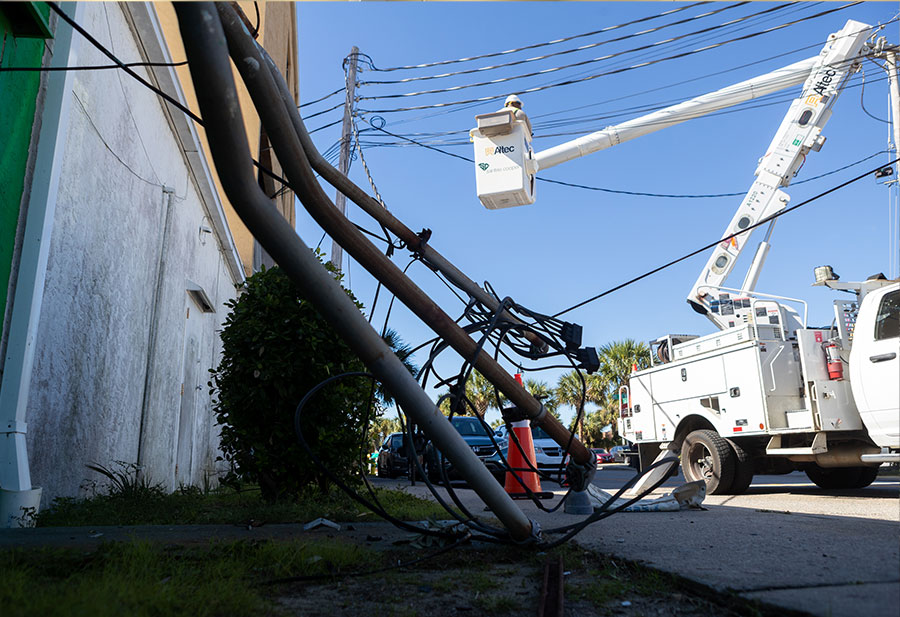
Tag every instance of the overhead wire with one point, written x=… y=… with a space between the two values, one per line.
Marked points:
x=611 y=72
x=862 y=102
x=557 y=53
x=754 y=21
x=159 y=92
x=574 y=64
x=93 y=67
x=319 y=100
x=634 y=193
x=538 y=45
x=706 y=247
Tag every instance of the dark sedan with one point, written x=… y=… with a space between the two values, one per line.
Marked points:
x=476 y=436
x=393 y=459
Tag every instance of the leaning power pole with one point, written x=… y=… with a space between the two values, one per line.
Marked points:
x=340 y=201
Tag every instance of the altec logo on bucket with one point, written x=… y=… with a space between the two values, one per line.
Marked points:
x=499 y=150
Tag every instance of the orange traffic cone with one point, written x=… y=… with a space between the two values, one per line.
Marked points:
x=521 y=482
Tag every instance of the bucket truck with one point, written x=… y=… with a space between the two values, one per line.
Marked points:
x=766 y=393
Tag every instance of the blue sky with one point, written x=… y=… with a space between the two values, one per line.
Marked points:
x=574 y=243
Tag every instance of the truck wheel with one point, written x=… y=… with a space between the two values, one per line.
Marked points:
x=706 y=456
x=867 y=475
x=743 y=469
x=841 y=477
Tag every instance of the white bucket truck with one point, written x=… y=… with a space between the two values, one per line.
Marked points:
x=766 y=393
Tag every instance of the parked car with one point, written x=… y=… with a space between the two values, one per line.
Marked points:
x=477 y=437
x=603 y=456
x=393 y=458
x=618 y=453
x=547 y=453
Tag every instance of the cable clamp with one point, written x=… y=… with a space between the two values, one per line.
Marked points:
x=513 y=414
x=424 y=237
x=579 y=476
x=535 y=536
x=540 y=416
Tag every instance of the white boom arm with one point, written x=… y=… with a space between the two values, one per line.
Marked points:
x=505 y=164
x=800 y=132
x=748 y=90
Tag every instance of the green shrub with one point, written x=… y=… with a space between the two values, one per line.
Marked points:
x=276 y=347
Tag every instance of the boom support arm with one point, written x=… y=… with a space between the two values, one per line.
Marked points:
x=800 y=132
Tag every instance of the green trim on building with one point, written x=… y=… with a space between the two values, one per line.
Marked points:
x=20 y=24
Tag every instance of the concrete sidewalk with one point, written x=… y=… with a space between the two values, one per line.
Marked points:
x=832 y=566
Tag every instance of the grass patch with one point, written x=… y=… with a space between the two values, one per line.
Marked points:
x=192 y=506
x=139 y=578
x=229 y=578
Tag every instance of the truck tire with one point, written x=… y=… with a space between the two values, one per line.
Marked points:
x=743 y=469
x=841 y=477
x=706 y=456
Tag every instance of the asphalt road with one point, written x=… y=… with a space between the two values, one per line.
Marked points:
x=792 y=492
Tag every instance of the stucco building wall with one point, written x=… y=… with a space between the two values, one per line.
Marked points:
x=123 y=349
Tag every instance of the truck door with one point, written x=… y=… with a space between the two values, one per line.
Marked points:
x=875 y=368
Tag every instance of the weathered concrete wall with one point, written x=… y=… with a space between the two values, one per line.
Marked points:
x=278 y=34
x=123 y=351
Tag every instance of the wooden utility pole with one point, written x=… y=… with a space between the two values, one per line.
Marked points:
x=337 y=253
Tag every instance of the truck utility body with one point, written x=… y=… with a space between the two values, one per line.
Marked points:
x=767 y=392
x=767 y=399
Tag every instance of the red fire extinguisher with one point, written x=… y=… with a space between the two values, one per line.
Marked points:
x=833 y=357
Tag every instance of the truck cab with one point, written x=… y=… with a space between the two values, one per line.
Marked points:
x=875 y=364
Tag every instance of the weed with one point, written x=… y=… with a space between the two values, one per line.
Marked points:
x=497 y=605
x=127 y=481
x=483 y=581
x=140 y=578
x=190 y=505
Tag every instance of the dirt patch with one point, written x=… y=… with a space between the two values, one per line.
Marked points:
x=501 y=581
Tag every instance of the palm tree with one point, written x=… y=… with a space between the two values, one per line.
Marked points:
x=404 y=353
x=480 y=393
x=572 y=391
x=545 y=394
x=617 y=360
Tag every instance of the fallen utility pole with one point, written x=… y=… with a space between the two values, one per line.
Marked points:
x=340 y=200
x=211 y=73
x=415 y=242
x=279 y=121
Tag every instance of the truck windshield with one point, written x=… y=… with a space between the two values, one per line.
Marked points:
x=468 y=426
x=539 y=433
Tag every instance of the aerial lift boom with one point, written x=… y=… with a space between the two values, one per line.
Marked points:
x=506 y=164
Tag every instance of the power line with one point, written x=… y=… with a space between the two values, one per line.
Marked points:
x=761 y=222
x=635 y=193
x=558 y=53
x=576 y=64
x=641 y=194
x=325 y=111
x=96 y=67
x=325 y=126
x=619 y=98
x=768 y=100
x=537 y=45
x=319 y=100
x=615 y=71
x=146 y=83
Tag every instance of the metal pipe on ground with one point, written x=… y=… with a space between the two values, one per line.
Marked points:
x=279 y=126
x=206 y=51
